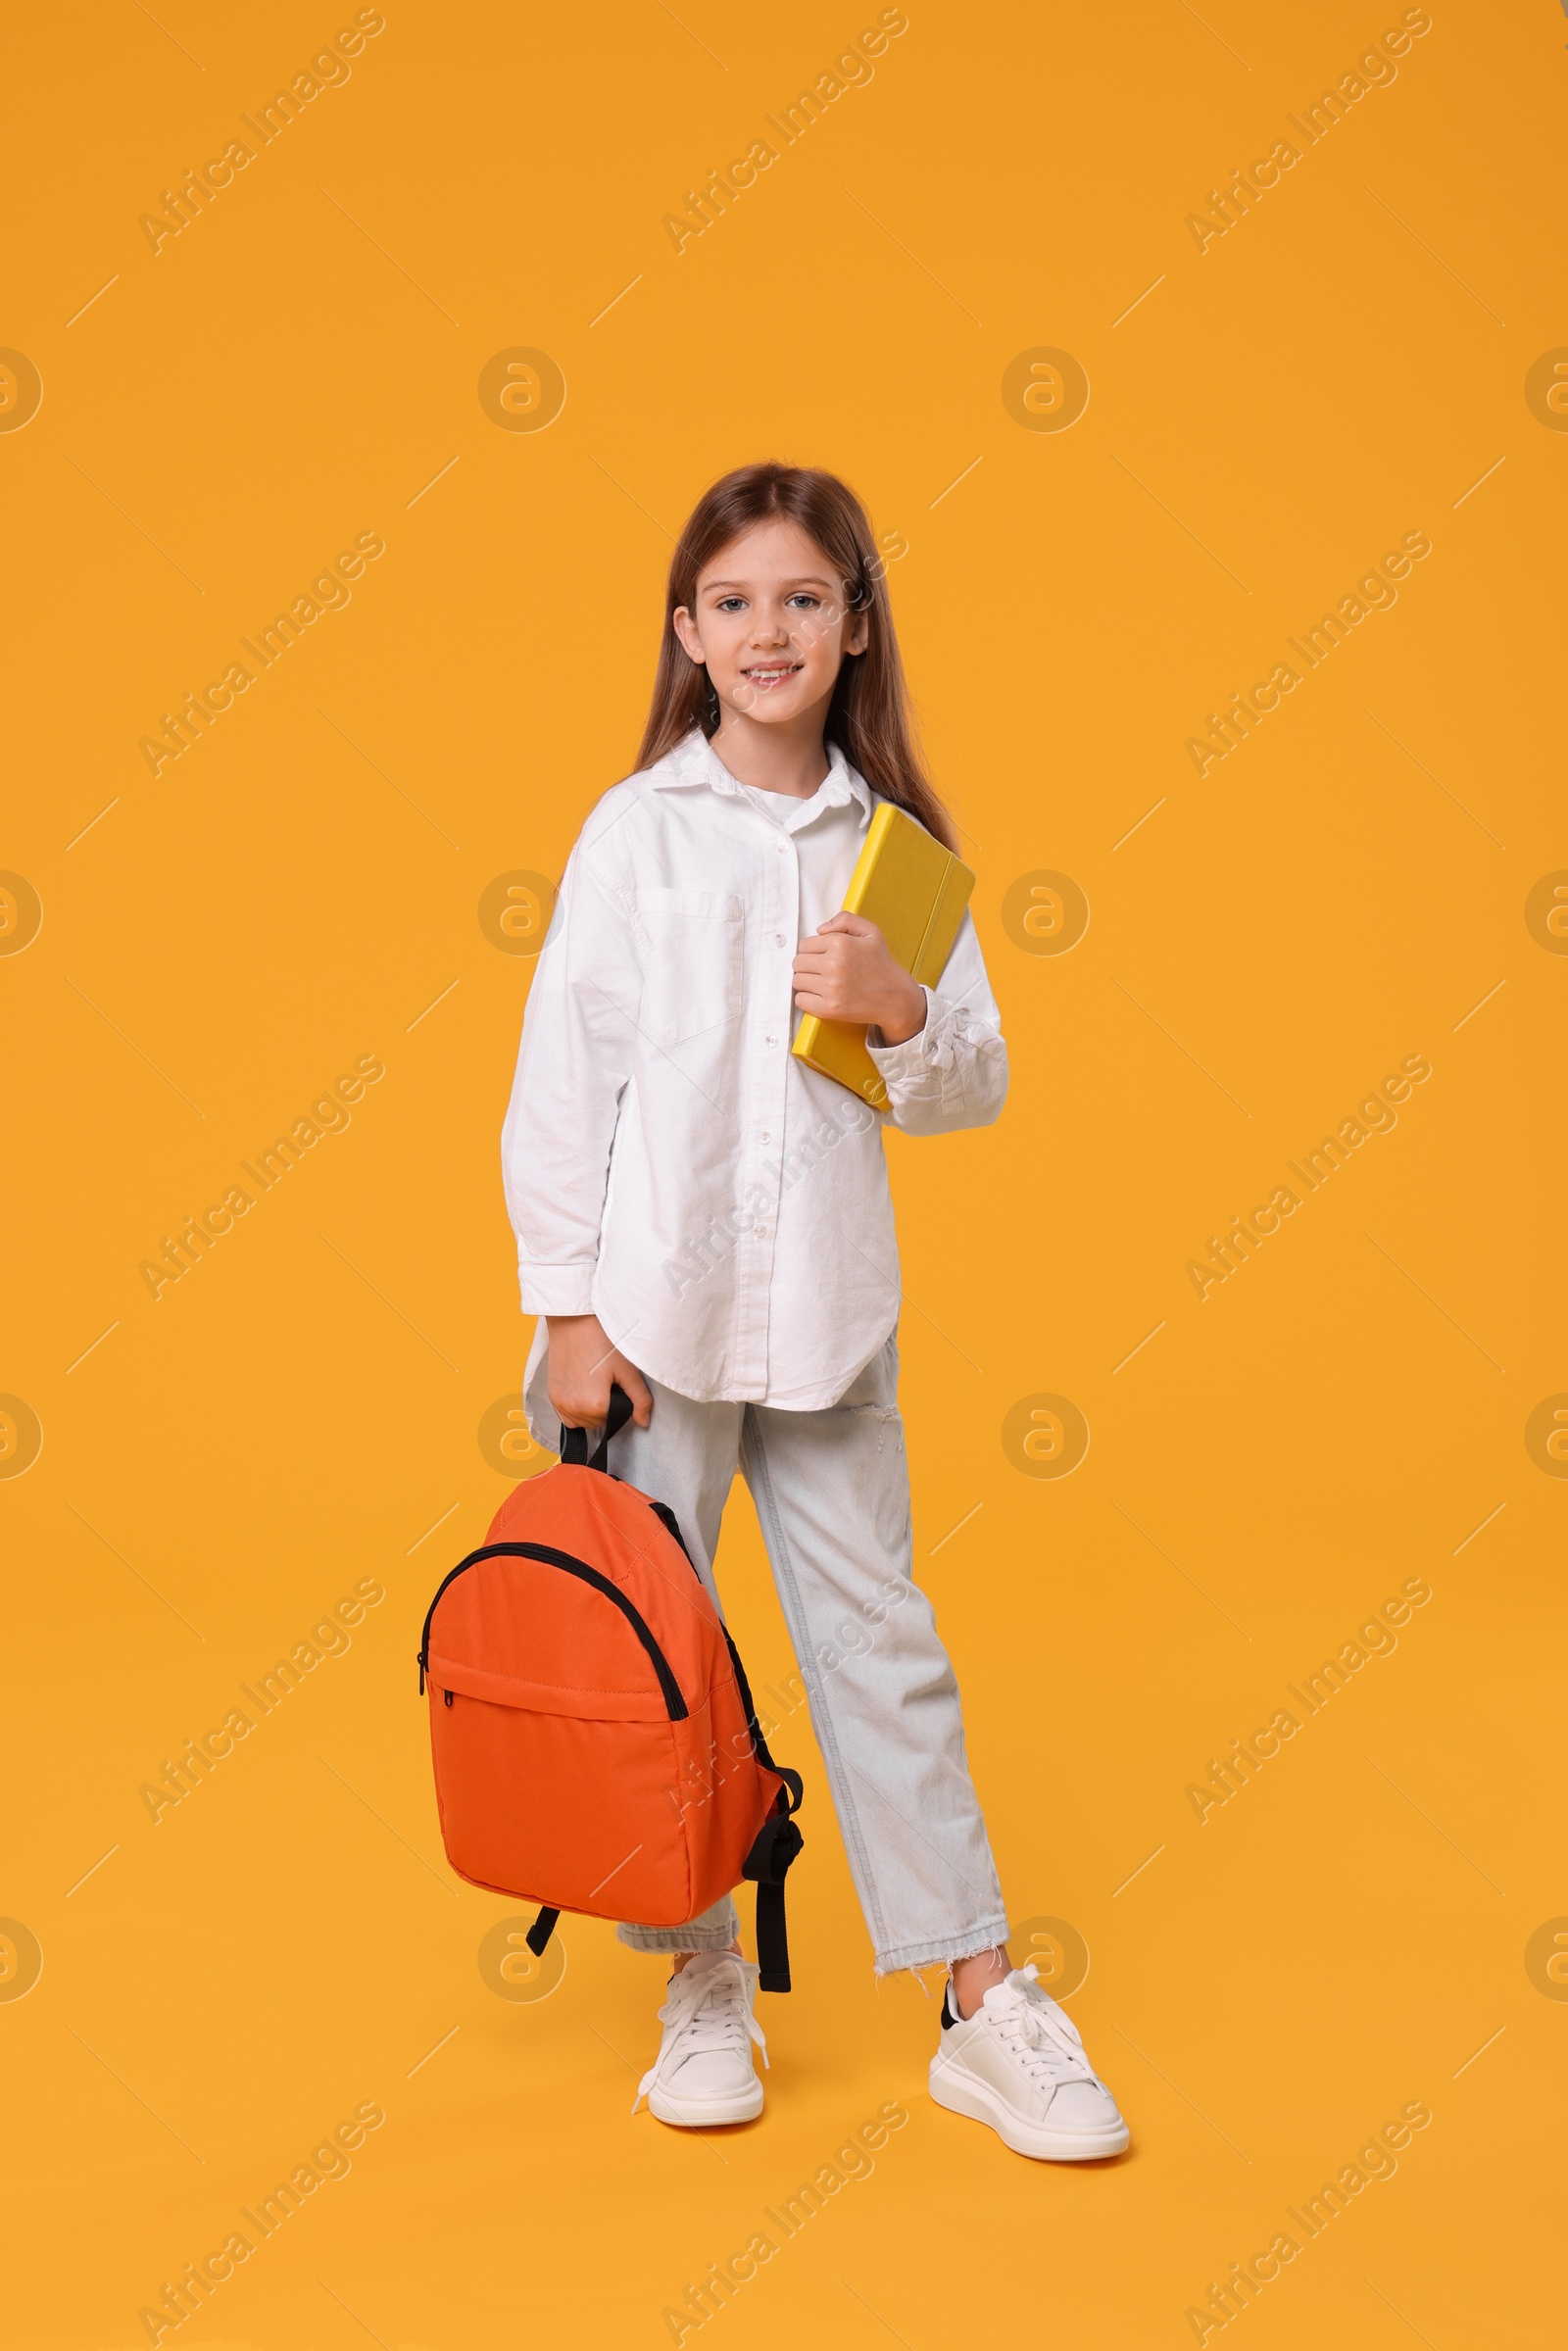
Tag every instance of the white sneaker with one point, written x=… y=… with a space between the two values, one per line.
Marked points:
x=704 y=2070
x=1018 y=2064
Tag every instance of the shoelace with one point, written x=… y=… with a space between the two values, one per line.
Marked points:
x=1038 y=2035
x=706 y=2010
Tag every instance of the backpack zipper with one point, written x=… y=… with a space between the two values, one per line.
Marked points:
x=674 y=1703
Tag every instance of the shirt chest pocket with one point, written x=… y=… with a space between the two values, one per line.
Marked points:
x=694 y=946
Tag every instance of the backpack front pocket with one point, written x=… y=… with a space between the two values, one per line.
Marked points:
x=549 y=1693
x=536 y=1831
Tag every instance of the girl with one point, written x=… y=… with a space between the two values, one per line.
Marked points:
x=706 y=1221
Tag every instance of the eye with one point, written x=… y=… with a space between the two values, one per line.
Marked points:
x=730 y=604
x=803 y=597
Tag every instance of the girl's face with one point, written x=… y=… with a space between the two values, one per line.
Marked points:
x=771 y=624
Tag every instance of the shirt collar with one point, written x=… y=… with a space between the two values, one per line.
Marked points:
x=695 y=761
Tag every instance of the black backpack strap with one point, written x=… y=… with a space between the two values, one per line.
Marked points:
x=574 y=1442
x=791 y=1779
x=773 y=1848
x=541 y=1931
x=776 y=1845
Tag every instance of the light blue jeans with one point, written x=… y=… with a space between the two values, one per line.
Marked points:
x=832 y=1494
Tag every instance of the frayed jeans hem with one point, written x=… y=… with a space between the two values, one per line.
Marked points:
x=983 y=1937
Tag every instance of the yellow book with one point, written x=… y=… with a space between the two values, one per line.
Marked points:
x=916 y=892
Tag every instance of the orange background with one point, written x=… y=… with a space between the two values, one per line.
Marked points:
x=300 y=888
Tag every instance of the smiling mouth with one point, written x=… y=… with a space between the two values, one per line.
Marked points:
x=766 y=679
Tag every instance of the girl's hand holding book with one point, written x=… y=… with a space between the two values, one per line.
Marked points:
x=845 y=973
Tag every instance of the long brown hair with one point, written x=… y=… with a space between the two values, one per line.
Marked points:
x=868 y=716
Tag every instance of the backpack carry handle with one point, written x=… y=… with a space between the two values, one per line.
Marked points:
x=574 y=1442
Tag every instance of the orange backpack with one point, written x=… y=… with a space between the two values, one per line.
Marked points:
x=594 y=1740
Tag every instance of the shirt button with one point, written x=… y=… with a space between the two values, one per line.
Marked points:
x=783 y=849
x=770 y=1041
x=767 y=1138
x=778 y=938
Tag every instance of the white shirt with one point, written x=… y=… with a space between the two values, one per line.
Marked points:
x=670 y=1166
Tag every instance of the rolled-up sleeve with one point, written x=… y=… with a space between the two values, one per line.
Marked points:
x=954 y=1072
x=573 y=1068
